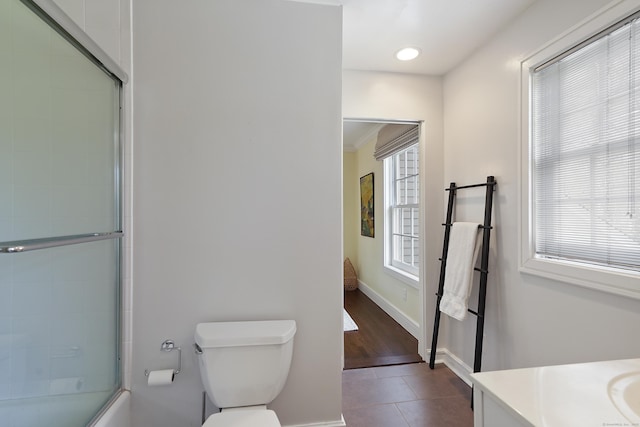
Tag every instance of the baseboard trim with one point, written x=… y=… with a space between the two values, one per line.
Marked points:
x=338 y=423
x=453 y=362
x=409 y=324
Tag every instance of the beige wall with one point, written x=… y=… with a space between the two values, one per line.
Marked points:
x=351 y=205
x=371 y=250
x=530 y=321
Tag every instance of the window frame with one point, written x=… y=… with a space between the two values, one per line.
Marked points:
x=606 y=279
x=408 y=275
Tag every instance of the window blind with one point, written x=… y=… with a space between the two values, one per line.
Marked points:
x=394 y=138
x=585 y=152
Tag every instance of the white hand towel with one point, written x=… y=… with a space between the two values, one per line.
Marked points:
x=461 y=258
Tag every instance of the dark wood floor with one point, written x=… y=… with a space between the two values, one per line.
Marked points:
x=379 y=340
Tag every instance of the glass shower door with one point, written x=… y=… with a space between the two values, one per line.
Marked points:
x=60 y=225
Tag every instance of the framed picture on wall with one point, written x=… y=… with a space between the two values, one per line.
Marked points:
x=366 y=205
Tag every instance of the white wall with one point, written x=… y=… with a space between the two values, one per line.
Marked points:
x=237 y=183
x=106 y=22
x=392 y=96
x=530 y=321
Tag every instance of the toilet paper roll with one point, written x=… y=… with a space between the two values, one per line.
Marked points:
x=162 y=377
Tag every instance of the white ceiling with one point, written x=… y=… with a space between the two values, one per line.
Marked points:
x=446 y=31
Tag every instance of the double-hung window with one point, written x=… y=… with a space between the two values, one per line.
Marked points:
x=582 y=159
x=403 y=210
x=398 y=147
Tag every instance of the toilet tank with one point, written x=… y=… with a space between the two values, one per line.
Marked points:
x=244 y=363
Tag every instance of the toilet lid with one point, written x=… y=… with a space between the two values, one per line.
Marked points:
x=248 y=418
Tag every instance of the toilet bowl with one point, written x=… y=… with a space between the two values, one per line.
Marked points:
x=244 y=418
x=243 y=367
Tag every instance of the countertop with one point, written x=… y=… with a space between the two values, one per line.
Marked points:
x=567 y=395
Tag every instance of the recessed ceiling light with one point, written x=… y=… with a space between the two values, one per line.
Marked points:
x=408 y=53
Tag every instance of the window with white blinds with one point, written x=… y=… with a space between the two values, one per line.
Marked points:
x=581 y=155
x=586 y=152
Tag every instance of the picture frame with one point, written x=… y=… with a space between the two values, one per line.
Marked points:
x=367 y=223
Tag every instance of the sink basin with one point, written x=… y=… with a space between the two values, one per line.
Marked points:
x=624 y=392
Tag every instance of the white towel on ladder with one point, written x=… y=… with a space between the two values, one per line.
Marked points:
x=464 y=245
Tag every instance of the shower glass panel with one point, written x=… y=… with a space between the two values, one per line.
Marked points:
x=59 y=178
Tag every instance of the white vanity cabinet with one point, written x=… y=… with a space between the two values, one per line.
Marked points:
x=581 y=395
x=491 y=412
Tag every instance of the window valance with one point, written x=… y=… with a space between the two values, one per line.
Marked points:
x=395 y=137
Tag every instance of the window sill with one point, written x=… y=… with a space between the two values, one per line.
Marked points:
x=409 y=279
x=610 y=280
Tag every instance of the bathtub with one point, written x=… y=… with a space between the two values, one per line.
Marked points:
x=118 y=413
x=76 y=407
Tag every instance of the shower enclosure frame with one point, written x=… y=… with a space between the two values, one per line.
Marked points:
x=59 y=22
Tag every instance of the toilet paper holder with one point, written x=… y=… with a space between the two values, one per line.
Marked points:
x=169 y=345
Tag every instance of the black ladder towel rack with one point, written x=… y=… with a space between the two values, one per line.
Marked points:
x=484 y=268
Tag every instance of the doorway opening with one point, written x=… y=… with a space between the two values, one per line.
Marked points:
x=382 y=227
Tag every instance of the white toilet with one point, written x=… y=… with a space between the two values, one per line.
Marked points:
x=244 y=366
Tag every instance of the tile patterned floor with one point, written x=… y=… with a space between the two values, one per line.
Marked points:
x=405 y=396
